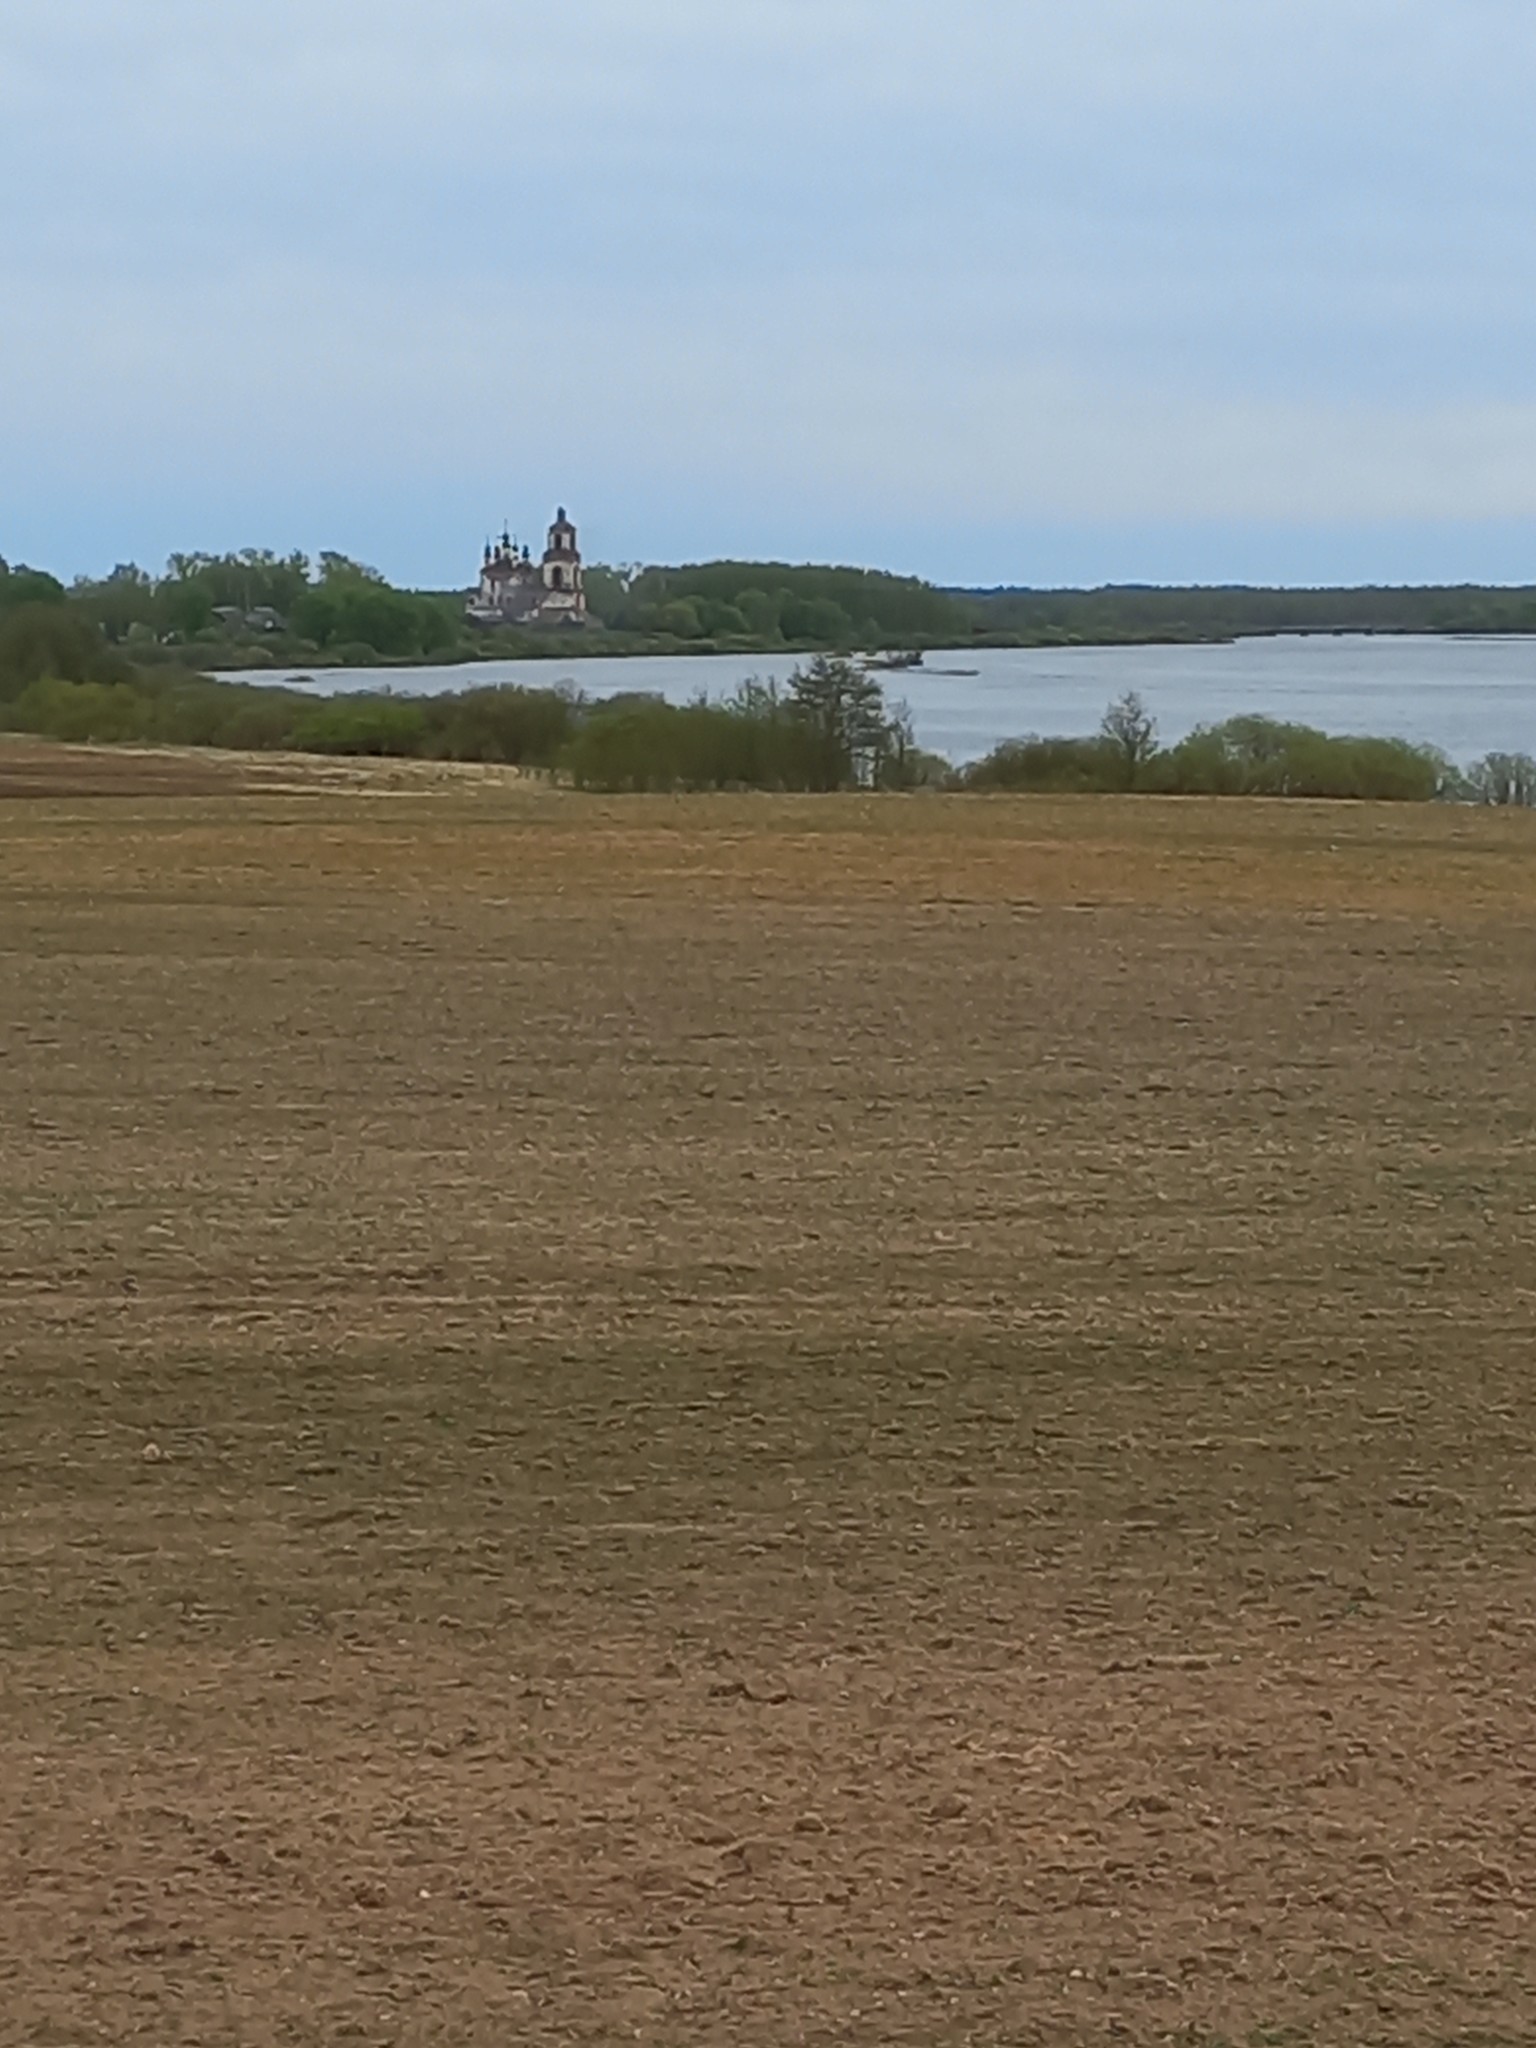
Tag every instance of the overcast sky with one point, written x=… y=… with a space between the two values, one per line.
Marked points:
x=992 y=291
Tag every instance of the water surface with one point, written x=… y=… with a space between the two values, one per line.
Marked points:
x=1467 y=696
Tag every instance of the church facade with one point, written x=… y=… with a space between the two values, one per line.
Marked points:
x=515 y=590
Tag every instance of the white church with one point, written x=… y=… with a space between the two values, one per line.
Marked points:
x=515 y=590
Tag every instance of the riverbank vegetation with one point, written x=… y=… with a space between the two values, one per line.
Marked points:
x=63 y=677
x=829 y=728
x=255 y=609
x=1247 y=756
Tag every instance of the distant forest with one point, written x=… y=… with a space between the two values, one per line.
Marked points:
x=1132 y=612
x=256 y=609
x=777 y=604
x=774 y=603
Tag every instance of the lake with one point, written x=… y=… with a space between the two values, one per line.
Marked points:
x=1468 y=696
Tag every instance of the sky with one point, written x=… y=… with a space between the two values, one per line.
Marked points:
x=998 y=291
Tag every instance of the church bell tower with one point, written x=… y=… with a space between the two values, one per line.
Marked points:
x=563 y=587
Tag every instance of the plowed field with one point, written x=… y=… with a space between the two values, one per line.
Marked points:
x=763 y=1421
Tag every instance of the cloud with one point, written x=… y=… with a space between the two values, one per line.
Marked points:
x=849 y=260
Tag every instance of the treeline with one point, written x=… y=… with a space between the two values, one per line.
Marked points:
x=1136 y=614
x=60 y=680
x=828 y=728
x=255 y=608
x=1247 y=756
x=773 y=604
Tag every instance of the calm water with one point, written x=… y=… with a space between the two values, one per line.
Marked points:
x=1470 y=697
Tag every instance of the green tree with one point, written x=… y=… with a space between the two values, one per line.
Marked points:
x=679 y=616
x=121 y=601
x=721 y=620
x=348 y=611
x=362 y=725
x=100 y=712
x=761 y=613
x=22 y=585
x=336 y=568
x=185 y=607
x=842 y=707
x=53 y=642
x=1129 y=727
x=608 y=595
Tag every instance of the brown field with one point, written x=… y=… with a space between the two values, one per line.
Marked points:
x=764 y=1421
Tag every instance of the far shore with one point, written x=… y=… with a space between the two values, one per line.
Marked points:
x=557 y=647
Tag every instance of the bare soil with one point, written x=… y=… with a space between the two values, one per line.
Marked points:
x=37 y=768
x=763 y=1421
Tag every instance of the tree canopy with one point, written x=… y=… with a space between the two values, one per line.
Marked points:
x=776 y=603
x=22 y=585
